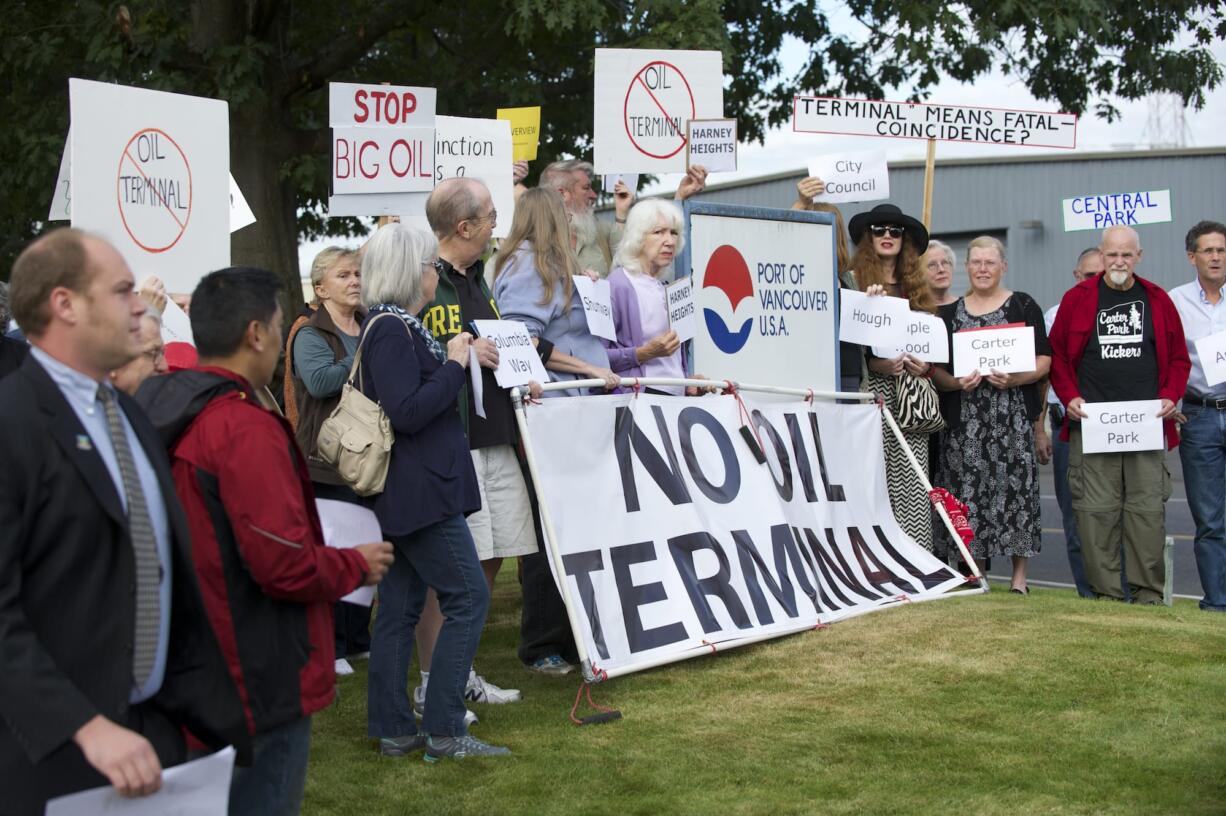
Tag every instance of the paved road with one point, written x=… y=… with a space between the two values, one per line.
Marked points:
x=1051 y=565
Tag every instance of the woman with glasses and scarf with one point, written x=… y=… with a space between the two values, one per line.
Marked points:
x=888 y=245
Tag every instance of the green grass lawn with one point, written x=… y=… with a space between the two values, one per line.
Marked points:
x=977 y=705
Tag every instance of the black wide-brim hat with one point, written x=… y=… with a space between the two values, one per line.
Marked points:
x=889 y=214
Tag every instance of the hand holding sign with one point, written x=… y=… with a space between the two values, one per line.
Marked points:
x=1119 y=427
x=849 y=177
x=679 y=297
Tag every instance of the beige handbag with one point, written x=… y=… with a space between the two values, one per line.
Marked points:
x=356 y=438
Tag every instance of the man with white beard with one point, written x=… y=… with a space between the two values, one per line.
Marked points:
x=597 y=240
x=1118 y=337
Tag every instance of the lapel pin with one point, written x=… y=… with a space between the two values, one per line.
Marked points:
x=83 y=443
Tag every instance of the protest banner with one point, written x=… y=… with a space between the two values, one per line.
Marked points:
x=852 y=177
x=200 y=787
x=1120 y=427
x=871 y=320
x=609 y=181
x=1211 y=351
x=525 y=130
x=1094 y=212
x=921 y=335
x=518 y=361
x=149 y=171
x=947 y=123
x=1007 y=349
x=766 y=292
x=679 y=295
x=642 y=101
x=472 y=148
x=712 y=144
x=382 y=148
x=597 y=303
x=699 y=547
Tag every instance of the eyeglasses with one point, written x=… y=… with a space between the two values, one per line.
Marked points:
x=492 y=217
x=880 y=231
x=155 y=354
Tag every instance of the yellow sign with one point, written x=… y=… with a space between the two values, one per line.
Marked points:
x=525 y=130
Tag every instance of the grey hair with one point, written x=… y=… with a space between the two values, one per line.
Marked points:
x=452 y=201
x=558 y=175
x=642 y=220
x=325 y=260
x=392 y=265
x=935 y=245
x=986 y=242
x=5 y=314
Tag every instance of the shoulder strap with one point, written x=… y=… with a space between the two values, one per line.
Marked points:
x=355 y=370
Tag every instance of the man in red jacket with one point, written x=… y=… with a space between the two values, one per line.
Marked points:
x=267 y=578
x=1118 y=337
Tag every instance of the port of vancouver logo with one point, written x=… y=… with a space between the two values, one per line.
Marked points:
x=727 y=271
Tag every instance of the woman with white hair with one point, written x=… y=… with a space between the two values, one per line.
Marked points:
x=430 y=487
x=940 y=264
x=645 y=346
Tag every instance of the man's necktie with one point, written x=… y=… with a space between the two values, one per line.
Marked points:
x=144 y=545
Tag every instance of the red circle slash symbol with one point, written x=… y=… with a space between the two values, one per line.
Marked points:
x=154 y=190
x=658 y=103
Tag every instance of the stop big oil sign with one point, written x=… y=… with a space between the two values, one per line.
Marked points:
x=643 y=100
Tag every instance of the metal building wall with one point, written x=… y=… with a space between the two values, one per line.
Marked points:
x=1020 y=198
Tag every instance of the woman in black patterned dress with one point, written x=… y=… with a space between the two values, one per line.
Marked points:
x=987 y=454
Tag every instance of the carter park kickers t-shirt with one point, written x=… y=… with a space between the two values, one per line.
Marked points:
x=1120 y=361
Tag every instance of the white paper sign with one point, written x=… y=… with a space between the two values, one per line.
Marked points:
x=597 y=305
x=518 y=361
x=150 y=173
x=1119 y=427
x=382 y=160
x=923 y=335
x=631 y=180
x=1211 y=351
x=477 y=390
x=1095 y=212
x=712 y=144
x=347 y=525
x=176 y=325
x=679 y=295
x=1008 y=349
x=380 y=106
x=948 y=123
x=197 y=788
x=644 y=98
x=852 y=177
x=871 y=320
x=61 y=199
x=240 y=211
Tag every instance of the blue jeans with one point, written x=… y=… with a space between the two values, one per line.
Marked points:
x=274 y=783
x=1059 y=462
x=1202 y=450
x=443 y=557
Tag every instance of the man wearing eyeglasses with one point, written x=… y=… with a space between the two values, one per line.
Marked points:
x=1202 y=449
x=150 y=362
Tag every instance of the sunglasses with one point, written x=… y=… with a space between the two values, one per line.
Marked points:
x=880 y=231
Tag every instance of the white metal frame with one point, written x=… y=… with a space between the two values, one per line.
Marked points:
x=594 y=675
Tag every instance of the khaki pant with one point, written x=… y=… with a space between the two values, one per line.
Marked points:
x=1120 y=503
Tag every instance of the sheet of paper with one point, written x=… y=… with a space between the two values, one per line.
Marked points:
x=525 y=131
x=348 y=525
x=1120 y=427
x=631 y=180
x=597 y=305
x=1211 y=351
x=197 y=788
x=923 y=336
x=871 y=320
x=680 y=298
x=850 y=177
x=176 y=325
x=518 y=361
x=477 y=393
x=240 y=211
x=1008 y=349
x=61 y=199
x=712 y=144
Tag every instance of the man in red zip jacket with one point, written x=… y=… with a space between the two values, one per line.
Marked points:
x=267 y=578
x=1118 y=337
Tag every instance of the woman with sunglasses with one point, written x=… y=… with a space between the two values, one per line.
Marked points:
x=888 y=245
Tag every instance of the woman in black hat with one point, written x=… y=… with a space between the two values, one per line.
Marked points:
x=888 y=245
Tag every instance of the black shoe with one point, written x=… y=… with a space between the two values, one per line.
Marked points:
x=400 y=746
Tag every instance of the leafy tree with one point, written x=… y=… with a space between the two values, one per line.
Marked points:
x=273 y=59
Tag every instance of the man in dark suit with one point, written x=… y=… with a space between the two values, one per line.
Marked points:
x=105 y=649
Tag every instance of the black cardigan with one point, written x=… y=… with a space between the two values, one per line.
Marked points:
x=1019 y=308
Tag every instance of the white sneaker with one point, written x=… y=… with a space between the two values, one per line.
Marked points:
x=343 y=667
x=480 y=690
x=419 y=707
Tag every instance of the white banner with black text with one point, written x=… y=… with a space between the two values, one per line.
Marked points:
x=675 y=540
